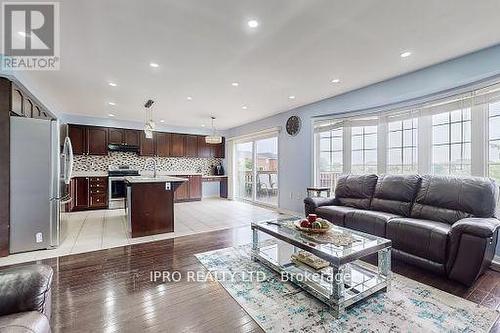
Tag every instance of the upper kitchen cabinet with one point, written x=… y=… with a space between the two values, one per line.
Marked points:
x=219 y=150
x=191 y=148
x=116 y=136
x=204 y=149
x=147 y=146
x=120 y=136
x=88 y=140
x=77 y=136
x=132 y=137
x=163 y=143
x=178 y=143
x=97 y=140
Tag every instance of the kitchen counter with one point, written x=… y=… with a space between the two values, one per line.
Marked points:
x=215 y=176
x=157 y=179
x=76 y=174
x=150 y=204
x=171 y=173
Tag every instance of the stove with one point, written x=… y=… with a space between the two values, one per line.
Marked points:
x=117 y=187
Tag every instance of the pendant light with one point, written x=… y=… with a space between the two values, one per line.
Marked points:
x=213 y=139
x=149 y=124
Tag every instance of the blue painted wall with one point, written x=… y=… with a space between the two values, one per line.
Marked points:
x=295 y=168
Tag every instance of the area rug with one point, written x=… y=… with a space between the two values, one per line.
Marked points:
x=279 y=306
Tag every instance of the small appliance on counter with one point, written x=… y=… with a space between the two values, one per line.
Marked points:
x=218 y=170
x=117 y=187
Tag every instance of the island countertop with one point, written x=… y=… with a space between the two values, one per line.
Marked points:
x=157 y=179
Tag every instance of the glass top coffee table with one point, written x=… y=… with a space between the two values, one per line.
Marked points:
x=340 y=278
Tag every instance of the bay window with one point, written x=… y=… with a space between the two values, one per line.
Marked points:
x=456 y=135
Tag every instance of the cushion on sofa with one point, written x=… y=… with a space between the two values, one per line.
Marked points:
x=368 y=221
x=423 y=238
x=355 y=190
x=395 y=194
x=29 y=322
x=334 y=214
x=448 y=199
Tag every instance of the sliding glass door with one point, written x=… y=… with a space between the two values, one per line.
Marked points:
x=245 y=169
x=257 y=170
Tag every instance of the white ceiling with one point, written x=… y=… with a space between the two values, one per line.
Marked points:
x=202 y=46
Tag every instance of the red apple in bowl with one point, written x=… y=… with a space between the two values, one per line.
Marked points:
x=305 y=224
x=312 y=218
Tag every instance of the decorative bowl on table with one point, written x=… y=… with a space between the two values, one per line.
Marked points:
x=317 y=226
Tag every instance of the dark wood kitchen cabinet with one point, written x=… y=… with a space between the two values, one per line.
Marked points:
x=191 y=149
x=88 y=193
x=116 y=136
x=147 y=146
x=93 y=140
x=89 y=140
x=97 y=141
x=120 y=136
x=77 y=136
x=190 y=190
x=162 y=144
x=177 y=145
x=204 y=149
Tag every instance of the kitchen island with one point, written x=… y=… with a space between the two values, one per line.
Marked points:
x=150 y=204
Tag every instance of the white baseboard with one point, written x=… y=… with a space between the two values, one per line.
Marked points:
x=289 y=212
x=495 y=264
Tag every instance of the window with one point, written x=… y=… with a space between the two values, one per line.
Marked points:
x=455 y=135
x=451 y=143
x=330 y=166
x=364 y=149
x=402 y=146
x=494 y=141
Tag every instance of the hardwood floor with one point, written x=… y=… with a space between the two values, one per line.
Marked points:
x=110 y=290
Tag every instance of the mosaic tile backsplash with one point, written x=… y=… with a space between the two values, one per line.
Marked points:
x=188 y=164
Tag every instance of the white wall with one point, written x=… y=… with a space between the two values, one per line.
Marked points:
x=295 y=167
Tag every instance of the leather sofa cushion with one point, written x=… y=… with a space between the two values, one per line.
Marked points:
x=423 y=238
x=29 y=322
x=371 y=222
x=334 y=214
x=355 y=190
x=448 y=199
x=395 y=193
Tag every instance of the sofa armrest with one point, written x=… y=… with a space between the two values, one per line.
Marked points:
x=480 y=227
x=26 y=288
x=312 y=203
x=472 y=244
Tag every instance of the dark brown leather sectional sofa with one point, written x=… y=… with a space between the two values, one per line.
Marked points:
x=25 y=299
x=445 y=224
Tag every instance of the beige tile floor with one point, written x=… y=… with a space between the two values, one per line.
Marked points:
x=103 y=229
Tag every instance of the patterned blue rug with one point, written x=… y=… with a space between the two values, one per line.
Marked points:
x=281 y=307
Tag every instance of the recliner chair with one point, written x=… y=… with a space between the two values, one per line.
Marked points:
x=25 y=299
x=443 y=223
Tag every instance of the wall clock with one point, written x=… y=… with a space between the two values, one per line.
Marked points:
x=293 y=125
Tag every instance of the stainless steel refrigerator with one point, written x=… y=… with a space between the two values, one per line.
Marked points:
x=40 y=172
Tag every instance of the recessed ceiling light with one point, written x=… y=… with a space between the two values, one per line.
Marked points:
x=244 y=107
x=162 y=121
x=112 y=103
x=154 y=64
x=291 y=97
x=111 y=115
x=112 y=84
x=235 y=84
x=405 y=54
x=202 y=125
x=253 y=23
x=335 y=81
x=189 y=98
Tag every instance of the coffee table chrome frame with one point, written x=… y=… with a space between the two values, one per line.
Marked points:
x=337 y=300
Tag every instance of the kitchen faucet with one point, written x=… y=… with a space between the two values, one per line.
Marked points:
x=154 y=164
